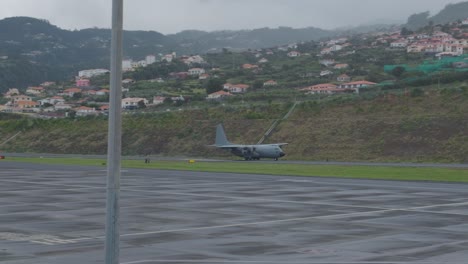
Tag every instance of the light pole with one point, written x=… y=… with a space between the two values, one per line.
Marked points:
x=114 y=147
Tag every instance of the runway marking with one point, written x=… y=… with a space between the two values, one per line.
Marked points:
x=325 y=217
x=386 y=185
x=55 y=184
x=249 y=183
x=299 y=202
x=42 y=239
x=282 y=262
x=120 y=170
x=256 y=223
x=411 y=209
x=55 y=241
x=255 y=199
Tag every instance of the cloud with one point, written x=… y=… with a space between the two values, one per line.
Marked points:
x=171 y=16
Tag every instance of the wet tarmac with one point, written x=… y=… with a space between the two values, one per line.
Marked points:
x=56 y=214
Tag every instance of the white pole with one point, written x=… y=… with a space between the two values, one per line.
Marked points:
x=114 y=147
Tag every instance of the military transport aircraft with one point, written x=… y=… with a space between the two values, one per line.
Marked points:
x=248 y=152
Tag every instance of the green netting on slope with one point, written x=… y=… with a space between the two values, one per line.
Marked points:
x=429 y=66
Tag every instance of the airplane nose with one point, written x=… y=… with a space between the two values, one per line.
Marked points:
x=282 y=154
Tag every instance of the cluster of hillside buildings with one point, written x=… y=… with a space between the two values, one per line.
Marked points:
x=41 y=99
x=230 y=89
x=330 y=88
x=41 y=102
x=130 y=64
x=438 y=43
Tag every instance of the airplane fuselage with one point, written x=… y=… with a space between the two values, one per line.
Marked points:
x=256 y=152
x=248 y=152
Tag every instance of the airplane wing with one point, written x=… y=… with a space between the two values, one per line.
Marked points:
x=280 y=144
x=229 y=146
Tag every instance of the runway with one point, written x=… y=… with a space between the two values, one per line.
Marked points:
x=235 y=159
x=55 y=214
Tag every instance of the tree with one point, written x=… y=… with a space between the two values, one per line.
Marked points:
x=417 y=21
x=416 y=92
x=405 y=31
x=77 y=96
x=141 y=104
x=257 y=84
x=398 y=71
x=214 y=85
x=167 y=100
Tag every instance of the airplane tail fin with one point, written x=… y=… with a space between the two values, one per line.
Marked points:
x=221 y=138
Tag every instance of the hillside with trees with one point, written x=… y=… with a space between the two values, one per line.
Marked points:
x=390 y=95
x=58 y=54
x=411 y=127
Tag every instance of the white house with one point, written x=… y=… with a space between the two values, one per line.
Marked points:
x=456 y=49
x=465 y=21
x=434 y=48
x=158 y=100
x=141 y=63
x=18 y=98
x=218 y=95
x=92 y=72
x=270 y=83
x=127 y=65
x=293 y=54
x=62 y=106
x=325 y=51
x=356 y=85
x=85 y=111
x=238 y=88
x=399 y=44
x=325 y=73
x=102 y=92
x=415 y=48
x=204 y=76
x=179 y=98
x=133 y=102
x=327 y=62
x=35 y=90
x=194 y=59
x=343 y=78
x=71 y=91
x=196 y=71
x=323 y=88
x=169 y=57
x=51 y=100
x=150 y=59
x=11 y=92
x=440 y=35
x=56 y=100
x=341 y=66
x=336 y=48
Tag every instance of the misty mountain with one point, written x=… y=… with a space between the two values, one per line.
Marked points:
x=193 y=41
x=52 y=53
x=451 y=13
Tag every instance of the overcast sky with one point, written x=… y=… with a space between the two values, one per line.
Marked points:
x=172 y=16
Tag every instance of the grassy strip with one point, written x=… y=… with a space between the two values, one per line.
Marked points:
x=367 y=172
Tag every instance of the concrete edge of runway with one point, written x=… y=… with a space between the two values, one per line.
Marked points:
x=164 y=158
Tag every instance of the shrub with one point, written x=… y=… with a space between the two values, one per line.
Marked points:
x=416 y=92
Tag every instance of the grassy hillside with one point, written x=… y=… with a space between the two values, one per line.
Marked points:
x=428 y=127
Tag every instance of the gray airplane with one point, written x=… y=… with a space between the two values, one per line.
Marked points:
x=248 y=152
